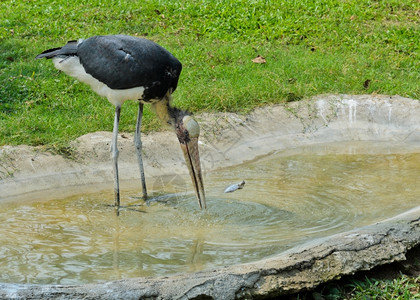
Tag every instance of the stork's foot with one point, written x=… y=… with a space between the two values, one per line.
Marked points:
x=117 y=202
x=144 y=197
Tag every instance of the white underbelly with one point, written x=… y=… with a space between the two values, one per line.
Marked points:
x=72 y=67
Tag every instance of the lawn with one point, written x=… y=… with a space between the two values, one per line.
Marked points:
x=310 y=48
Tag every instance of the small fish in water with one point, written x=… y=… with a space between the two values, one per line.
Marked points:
x=234 y=187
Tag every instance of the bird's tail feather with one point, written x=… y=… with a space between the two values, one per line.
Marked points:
x=69 y=49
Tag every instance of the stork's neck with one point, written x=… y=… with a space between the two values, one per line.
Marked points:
x=168 y=114
x=162 y=109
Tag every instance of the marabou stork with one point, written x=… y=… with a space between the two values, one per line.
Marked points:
x=120 y=68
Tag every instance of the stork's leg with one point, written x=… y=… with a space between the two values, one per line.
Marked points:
x=114 y=156
x=137 y=143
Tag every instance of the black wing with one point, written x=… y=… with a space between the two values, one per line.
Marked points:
x=123 y=62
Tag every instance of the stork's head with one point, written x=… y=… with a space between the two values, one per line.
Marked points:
x=187 y=130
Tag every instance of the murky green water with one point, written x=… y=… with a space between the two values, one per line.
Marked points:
x=289 y=198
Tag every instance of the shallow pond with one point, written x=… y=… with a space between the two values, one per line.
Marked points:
x=290 y=197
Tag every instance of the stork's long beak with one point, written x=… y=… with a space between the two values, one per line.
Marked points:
x=192 y=159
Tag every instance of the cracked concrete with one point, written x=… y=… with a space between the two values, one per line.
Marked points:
x=228 y=140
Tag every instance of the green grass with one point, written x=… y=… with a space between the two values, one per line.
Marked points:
x=311 y=47
x=404 y=288
x=400 y=288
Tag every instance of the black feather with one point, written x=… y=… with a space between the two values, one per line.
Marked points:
x=123 y=62
x=176 y=114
